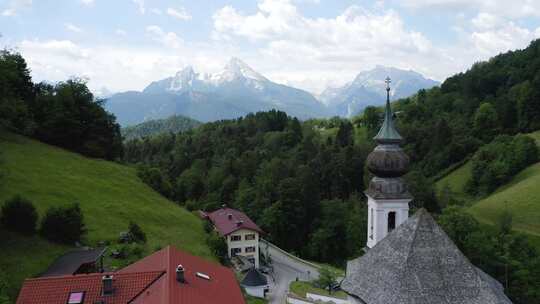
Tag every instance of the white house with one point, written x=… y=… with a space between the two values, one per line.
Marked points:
x=239 y=231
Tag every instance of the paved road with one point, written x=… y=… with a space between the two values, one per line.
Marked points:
x=286 y=270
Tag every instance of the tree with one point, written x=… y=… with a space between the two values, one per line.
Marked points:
x=64 y=224
x=19 y=215
x=458 y=224
x=4 y=298
x=344 y=135
x=16 y=91
x=218 y=246
x=136 y=232
x=67 y=115
x=327 y=279
x=372 y=120
x=486 y=121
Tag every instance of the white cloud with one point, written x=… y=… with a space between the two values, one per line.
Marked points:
x=355 y=40
x=15 y=6
x=169 y=39
x=180 y=13
x=493 y=40
x=117 y=67
x=140 y=6
x=510 y=9
x=88 y=2
x=156 y=11
x=73 y=28
x=485 y=21
x=120 y=32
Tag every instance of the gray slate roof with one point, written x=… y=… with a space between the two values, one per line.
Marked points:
x=254 y=278
x=418 y=264
x=70 y=262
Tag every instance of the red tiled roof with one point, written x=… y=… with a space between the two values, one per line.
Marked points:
x=56 y=290
x=155 y=283
x=221 y=288
x=237 y=220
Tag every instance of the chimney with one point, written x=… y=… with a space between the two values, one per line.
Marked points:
x=229 y=216
x=223 y=206
x=108 y=288
x=180 y=274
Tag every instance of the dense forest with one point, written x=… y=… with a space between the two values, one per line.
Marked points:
x=174 y=124
x=64 y=114
x=291 y=180
x=444 y=125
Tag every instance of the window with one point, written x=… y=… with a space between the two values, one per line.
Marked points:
x=250 y=249
x=250 y=236
x=235 y=238
x=371 y=228
x=391 y=221
x=235 y=251
x=76 y=297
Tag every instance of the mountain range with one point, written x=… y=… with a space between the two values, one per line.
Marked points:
x=238 y=90
x=368 y=88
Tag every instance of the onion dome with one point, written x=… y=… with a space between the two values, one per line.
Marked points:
x=388 y=162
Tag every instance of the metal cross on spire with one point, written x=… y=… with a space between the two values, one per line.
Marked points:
x=388 y=133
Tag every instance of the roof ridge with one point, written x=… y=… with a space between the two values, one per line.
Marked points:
x=92 y=274
x=146 y=287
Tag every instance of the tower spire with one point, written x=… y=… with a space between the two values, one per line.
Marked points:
x=388 y=133
x=388 y=198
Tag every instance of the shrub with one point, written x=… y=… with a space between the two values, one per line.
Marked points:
x=64 y=224
x=4 y=299
x=218 y=247
x=19 y=215
x=136 y=232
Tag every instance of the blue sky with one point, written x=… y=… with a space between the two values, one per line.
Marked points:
x=125 y=44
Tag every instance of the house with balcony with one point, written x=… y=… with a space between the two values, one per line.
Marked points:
x=240 y=232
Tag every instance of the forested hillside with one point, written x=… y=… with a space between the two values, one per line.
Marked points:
x=445 y=124
x=294 y=179
x=65 y=114
x=174 y=124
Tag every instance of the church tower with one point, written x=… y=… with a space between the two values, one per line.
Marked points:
x=388 y=198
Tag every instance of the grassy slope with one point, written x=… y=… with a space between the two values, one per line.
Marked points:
x=456 y=181
x=521 y=196
x=301 y=288
x=110 y=196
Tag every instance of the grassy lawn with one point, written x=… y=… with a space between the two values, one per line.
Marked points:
x=21 y=257
x=109 y=194
x=456 y=180
x=301 y=288
x=522 y=198
x=254 y=300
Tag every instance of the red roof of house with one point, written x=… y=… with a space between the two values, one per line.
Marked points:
x=229 y=220
x=56 y=290
x=151 y=280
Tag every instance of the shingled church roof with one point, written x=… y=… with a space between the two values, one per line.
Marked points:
x=418 y=264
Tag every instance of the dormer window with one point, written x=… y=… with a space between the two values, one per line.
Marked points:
x=76 y=297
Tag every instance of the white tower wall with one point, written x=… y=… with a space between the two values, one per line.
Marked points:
x=378 y=216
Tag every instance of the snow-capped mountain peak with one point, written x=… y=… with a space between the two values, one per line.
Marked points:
x=236 y=69
x=183 y=79
x=368 y=88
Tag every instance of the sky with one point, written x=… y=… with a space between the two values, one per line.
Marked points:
x=124 y=45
